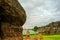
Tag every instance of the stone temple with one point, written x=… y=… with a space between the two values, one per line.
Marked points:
x=12 y=17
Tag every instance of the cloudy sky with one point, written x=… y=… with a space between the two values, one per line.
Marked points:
x=40 y=12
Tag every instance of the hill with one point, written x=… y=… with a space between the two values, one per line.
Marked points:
x=51 y=28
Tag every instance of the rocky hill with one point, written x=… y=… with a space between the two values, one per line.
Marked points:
x=54 y=24
x=52 y=28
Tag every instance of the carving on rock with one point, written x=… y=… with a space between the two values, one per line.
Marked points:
x=12 y=17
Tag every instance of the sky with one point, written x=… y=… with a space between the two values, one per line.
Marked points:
x=40 y=12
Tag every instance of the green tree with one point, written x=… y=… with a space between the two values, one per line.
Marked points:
x=35 y=28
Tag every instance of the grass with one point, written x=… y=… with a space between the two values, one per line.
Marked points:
x=47 y=37
x=51 y=37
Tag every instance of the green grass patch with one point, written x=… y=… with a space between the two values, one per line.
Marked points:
x=51 y=37
x=46 y=37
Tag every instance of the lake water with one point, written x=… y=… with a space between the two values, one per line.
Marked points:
x=31 y=32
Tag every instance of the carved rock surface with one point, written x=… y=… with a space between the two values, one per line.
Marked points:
x=12 y=17
x=12 y=12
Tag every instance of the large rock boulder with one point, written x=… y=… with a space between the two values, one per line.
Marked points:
x=12 y=17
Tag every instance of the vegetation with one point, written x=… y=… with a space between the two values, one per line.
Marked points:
x=35 y=28
x=47 y=37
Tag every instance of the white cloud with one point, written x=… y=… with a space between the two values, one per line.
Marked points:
x=41 y=12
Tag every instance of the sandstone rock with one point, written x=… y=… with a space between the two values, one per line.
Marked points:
x=11 y=14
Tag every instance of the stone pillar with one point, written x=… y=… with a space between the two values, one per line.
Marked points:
x=28 y=35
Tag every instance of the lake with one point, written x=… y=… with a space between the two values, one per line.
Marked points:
x=31 y=32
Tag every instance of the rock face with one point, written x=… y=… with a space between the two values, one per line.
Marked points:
x=12 y=17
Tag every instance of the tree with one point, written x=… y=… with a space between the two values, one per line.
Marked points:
x=35 y=28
